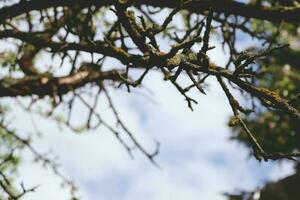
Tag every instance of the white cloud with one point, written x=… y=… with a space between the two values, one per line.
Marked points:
x=197 y=160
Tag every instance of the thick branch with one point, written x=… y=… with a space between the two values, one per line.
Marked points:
x=47 y=85
x=287 y=14
x=95 y=47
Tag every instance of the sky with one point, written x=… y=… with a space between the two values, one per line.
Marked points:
x=196 y=158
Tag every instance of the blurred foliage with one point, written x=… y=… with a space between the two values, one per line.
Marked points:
x=284 y=189
x=276 y=131
x=280 y=72
x=10 y=157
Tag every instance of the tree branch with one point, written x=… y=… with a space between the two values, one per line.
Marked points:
x=288 y=14
x=46 y=85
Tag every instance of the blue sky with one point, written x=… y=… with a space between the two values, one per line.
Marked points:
x=197 y=159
